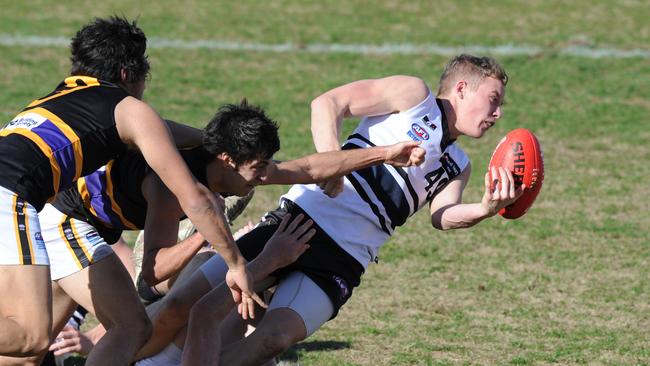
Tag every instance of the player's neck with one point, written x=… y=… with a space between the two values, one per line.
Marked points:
x=450 y=116
x=214 y=174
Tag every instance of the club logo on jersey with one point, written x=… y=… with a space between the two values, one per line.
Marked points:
x=429 y=122
x=40 y=243
x=343 y=286
x=418 y=133
x=93 y=237
x=27 y=121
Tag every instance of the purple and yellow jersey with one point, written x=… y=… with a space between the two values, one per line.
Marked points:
x=111 y=198
x=97 y=195
x=60 y=138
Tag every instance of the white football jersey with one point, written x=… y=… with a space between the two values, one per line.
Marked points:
x=375 y=200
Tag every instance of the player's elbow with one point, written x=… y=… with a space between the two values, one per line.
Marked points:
x=149 y=274
x=437 y=224
x=148 y=271
x=318 y=102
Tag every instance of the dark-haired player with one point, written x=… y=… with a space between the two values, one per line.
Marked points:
x=91 y=117
x=238 y=144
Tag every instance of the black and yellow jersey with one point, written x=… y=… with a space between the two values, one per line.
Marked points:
x=59 y=138
x=111 y=198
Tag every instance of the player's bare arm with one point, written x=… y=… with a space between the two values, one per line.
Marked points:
x=316 y=168
x=371 y=97
x=140 y=125
x=448 y=211
x=163 y=256
x=360 y=98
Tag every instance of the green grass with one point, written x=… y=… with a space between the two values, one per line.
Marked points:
x=566 y=284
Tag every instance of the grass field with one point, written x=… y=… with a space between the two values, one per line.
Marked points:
x=566 y=284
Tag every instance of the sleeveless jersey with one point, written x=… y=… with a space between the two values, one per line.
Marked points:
x=111 y=198
x=377 y=199
x=59 y=138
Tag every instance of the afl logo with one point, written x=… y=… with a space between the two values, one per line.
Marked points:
x=418 y=133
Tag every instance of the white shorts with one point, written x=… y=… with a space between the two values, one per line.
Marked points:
x=71 y=244
x=20 y=232
x=295 y=291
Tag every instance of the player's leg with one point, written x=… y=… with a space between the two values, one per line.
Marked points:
x=169 y=315
x=105 y=289
x=206 y=316
x=92 y=275
x=299 y=307
x=25 y=306
x=173 y=313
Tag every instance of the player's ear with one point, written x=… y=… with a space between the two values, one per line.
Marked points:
x=460 y=88
x=124 y=75
x=227 y=159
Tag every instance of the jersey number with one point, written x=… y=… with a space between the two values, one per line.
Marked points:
x=435 y=178
x=440 y=177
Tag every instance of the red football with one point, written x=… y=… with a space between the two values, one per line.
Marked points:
x=519 y=152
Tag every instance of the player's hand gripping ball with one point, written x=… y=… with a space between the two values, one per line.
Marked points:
x=519 y=152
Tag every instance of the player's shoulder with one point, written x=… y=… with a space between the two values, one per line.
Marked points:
x=408 y=82
x=408 y=90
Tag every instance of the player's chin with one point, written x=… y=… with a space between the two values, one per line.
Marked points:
x=482 y=129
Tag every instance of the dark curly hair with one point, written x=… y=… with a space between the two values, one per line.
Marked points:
x=102 y=48
x=242 y=131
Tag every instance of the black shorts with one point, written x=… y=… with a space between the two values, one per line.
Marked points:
x=335 y=271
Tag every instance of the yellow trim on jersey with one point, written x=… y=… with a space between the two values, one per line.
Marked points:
x=20 y=247
x=69 y=134
x=28 y=235
x=80 y=242
x=85 y=195
x=67 y=242
x=109 y=191
x=70 y=83
x=45 y=149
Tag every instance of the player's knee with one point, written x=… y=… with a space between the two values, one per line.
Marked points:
x=141 y=328
x=136 y=329
x=175 y=311
x=275 y=342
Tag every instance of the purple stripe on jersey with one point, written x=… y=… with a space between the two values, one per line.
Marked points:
x=63 y=151
x=99 y=200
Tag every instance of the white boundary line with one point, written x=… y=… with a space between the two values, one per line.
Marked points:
x=363 y=49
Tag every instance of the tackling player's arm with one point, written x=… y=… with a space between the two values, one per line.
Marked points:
x=138 y=124
x=163 y=257
x=360 y=98
x=448 y=211
x=315 y=168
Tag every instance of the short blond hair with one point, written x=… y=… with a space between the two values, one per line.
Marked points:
x=471 y=68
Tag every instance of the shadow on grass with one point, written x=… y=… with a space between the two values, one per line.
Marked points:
x=291 y=354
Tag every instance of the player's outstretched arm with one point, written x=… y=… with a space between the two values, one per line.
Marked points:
x=202 y=345
x=316 y=168
x=447 y=211
x=138 y=124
